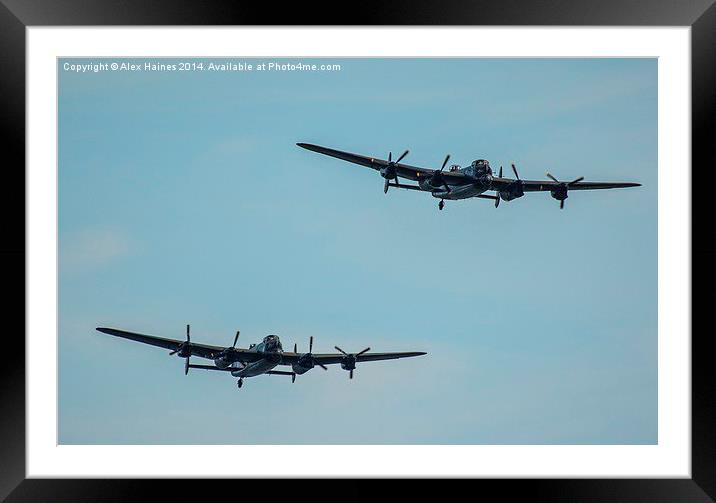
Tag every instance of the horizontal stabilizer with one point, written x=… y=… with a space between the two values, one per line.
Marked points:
x=279 y=373
x=404 y=186
x=211 y=367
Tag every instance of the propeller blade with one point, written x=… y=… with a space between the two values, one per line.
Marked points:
x=561 y=204
x=351 y=374
x=364 y=351
x=553 y=178
x=322 y=366
x=186 y=366
x=293 y=378
x=310 y=345
x=179 y=348
x=497 y=201
x=390 y=157
x=339 y=349
x=402 y=156
x=295 y=347
x=514 y=170
x=236 y=339
x=447 y=158
x=500 y=175
x=385 y=186
x=576 y=181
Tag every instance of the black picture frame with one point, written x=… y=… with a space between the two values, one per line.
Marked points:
x=16 y=15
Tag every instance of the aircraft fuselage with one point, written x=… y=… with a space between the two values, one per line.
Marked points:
x=256 y=368
x=479 y=180
x=271 y=348
x=461 y=191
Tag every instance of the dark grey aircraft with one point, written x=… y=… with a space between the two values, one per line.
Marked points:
x=259 y=358
x=463 y=183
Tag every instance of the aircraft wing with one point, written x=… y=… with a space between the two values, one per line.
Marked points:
x=403 y=170
x=197 y=349
x=331 y=358
x=547 y=185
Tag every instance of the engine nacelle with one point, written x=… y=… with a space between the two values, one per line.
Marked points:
x=304 y=364
x=348 y=363
x=559 y=193
x=509 y=195
x=512 y=191
x=424 y=183
x=431 y=183
x=436 y=182
x=388 y=172
x=299 y=369
x=222 y=362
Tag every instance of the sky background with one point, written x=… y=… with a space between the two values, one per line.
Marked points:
x=183 y=199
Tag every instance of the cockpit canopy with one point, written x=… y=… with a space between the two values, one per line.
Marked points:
x=272 y=342
x=480 y=167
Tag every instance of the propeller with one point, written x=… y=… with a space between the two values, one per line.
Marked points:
x=447 y=158
x=561 y=192
x=513 y=190
x=437 y=179
x=227 y=356
x=183 y=344
x=308 y=358
x=497 y=198
x=349 y=362
x=389 y=172
x=184 y=350
x=310 y=351
x=514 y=170
x=390 y=156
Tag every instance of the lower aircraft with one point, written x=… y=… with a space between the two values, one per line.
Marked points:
x=463 y=183
x=259 y=358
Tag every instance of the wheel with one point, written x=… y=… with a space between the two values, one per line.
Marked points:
x=441 y=205
x=240 y=383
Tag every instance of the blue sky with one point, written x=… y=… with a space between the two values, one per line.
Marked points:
x=183 y=199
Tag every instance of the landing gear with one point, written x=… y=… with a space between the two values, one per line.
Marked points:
x=441 y=204
x=240 y=383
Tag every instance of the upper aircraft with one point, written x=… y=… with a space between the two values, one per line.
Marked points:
x=463 y=183
x=259 y=358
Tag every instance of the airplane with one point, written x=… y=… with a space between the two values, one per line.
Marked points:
x=463 y=183
x=257 y=359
